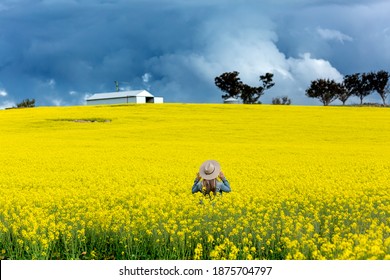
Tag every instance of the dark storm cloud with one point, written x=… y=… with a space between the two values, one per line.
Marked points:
x=60 y=51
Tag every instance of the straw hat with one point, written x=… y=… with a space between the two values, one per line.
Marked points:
x=209 y=169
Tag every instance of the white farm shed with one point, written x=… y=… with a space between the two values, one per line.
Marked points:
x=120 y=97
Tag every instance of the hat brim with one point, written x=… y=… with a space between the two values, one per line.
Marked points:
x=213 y=175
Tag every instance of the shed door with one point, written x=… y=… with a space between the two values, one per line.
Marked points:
x=149 y=99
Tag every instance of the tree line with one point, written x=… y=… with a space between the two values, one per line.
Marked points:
x=326 y=90
x=358 y=84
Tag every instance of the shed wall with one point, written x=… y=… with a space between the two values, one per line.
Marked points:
x=158 y=100
x=112 y=101
x=141 y=99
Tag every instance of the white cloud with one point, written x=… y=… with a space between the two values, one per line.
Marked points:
x=146 y=77
x=86 y=96
x=7 y=104
x=330 y=34
x=3 y=93
x=57 y=101
x=250 y=50
x=124 y=88
x=46 y=84
x=51 y=83
x=307 y=69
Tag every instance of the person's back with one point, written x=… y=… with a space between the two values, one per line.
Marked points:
x=206 y=179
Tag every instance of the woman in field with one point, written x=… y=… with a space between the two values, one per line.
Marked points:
x=206 y=179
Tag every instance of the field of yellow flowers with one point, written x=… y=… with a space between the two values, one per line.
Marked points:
x=114 y=182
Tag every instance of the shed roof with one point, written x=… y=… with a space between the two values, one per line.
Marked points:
x=120 y=94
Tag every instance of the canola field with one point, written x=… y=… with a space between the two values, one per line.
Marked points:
x=114 y=182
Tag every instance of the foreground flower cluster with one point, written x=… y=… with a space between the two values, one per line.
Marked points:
x=114 y=182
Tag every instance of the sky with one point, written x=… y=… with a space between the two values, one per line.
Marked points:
x=61 y=51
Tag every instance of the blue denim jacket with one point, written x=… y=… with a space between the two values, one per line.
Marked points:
x=223 y=186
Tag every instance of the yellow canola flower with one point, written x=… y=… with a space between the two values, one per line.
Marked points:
x=307 y=182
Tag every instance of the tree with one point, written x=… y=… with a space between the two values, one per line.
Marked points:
x=286 y=100
x=250 y=95
x=343 y=94
x=267 y=84
x=325 y=90
x=230 y=83
x=379 y=82
x=364 y=86
x=387 y=90
x=267 y=80
x=26 y=103
x=281 y=100
x=351 y=84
